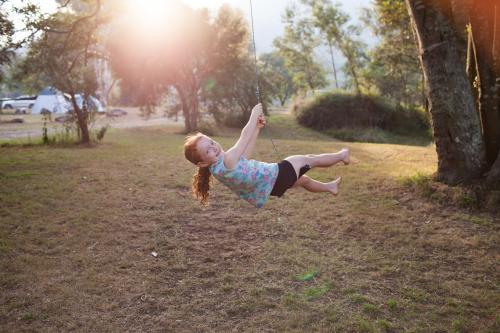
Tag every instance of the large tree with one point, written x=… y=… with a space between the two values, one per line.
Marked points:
x=6 y=43
x=187 y=56
x=394 y=69
x=332 y=23
x=278 y=76
x=62 y=47
x=465 y=117
x=297 y=48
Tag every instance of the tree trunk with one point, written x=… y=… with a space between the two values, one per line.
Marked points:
x=81 y=121
x=455 y=121
x=185 y=109
x=496 y=66
x=194 y=110
x=352 y=69
x=494 y=173
x=482 y=20
x=333 y=64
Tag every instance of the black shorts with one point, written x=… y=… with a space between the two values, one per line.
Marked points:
x=287 y=177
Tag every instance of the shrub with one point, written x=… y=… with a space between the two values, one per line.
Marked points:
x=333 y=111
x=207 y=127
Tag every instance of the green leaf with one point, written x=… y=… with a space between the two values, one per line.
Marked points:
x=308 y=276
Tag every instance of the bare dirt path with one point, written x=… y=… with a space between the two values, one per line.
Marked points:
x=33 y=124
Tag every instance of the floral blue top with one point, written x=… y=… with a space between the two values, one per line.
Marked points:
x=251 y=180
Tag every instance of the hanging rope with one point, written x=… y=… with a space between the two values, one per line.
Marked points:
x=257 y=90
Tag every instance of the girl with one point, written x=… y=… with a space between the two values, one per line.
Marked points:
x=253 y=180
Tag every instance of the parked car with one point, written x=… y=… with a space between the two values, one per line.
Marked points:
x=20 y=104
x=1 y=102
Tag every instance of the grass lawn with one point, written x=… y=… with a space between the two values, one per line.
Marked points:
x=78 y=226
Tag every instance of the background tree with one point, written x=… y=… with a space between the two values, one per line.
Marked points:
x=297 y=48
x=187 y=57
x=16 y=82
x=279 y=78
x=331 y=21
x=63 y=56
x=394 y=68
x=6 y=42
x=467 y=144
x=232 y=95
x=230 y=92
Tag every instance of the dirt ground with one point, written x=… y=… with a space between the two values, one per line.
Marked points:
x=32 y=125
x=78 y=227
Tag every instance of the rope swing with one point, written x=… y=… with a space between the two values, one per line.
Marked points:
x=257 y=77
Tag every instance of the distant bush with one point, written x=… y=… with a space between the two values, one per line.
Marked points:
x=330 y=112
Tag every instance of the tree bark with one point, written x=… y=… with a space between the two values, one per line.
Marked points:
x=333 y=64
x=81 y=120
x=185 y=108
x=455 y=121
x=493 y=177
x=496 y=66
x=483 y=25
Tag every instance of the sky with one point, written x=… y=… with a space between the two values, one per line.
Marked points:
x=266 y=13
x=267 y=16
x=267 y=21
x=268 y=25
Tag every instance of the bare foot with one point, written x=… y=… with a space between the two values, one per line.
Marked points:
x=346 y=159
x=334 y=186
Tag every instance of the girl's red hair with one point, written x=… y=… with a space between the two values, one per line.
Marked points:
x=201 y=180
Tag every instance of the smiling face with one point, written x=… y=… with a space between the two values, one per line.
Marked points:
x=208 y=150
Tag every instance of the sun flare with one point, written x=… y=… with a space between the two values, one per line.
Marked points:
x=151 y=16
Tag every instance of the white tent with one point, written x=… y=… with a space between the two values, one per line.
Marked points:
x=52 y=100
x=92 y=103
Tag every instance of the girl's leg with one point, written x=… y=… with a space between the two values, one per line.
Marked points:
x=322 y=160
x=315 y=186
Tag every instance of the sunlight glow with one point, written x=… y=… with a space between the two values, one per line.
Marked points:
x=150 y=14
x=150 y=17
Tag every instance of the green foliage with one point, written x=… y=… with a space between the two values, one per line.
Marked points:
x=232 y=95
x=394 y=70
x=392 y=304
x=229 y=93
x=332 y=23
x=384 y=325
x=422 y=183
x=370 y=308
x=297 y=48
x=331 y=111
x=205 y=61
x=64 y=57
x=207 y=128
x=318 y=291
x=458 y=325
x=365 y=326
x=309 y=275
x=6 y=47
x=273 y=69
x=358 y=299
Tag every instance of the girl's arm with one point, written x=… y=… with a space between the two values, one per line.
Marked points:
x=249 y=148
x=233 y=155
x=261 y=122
